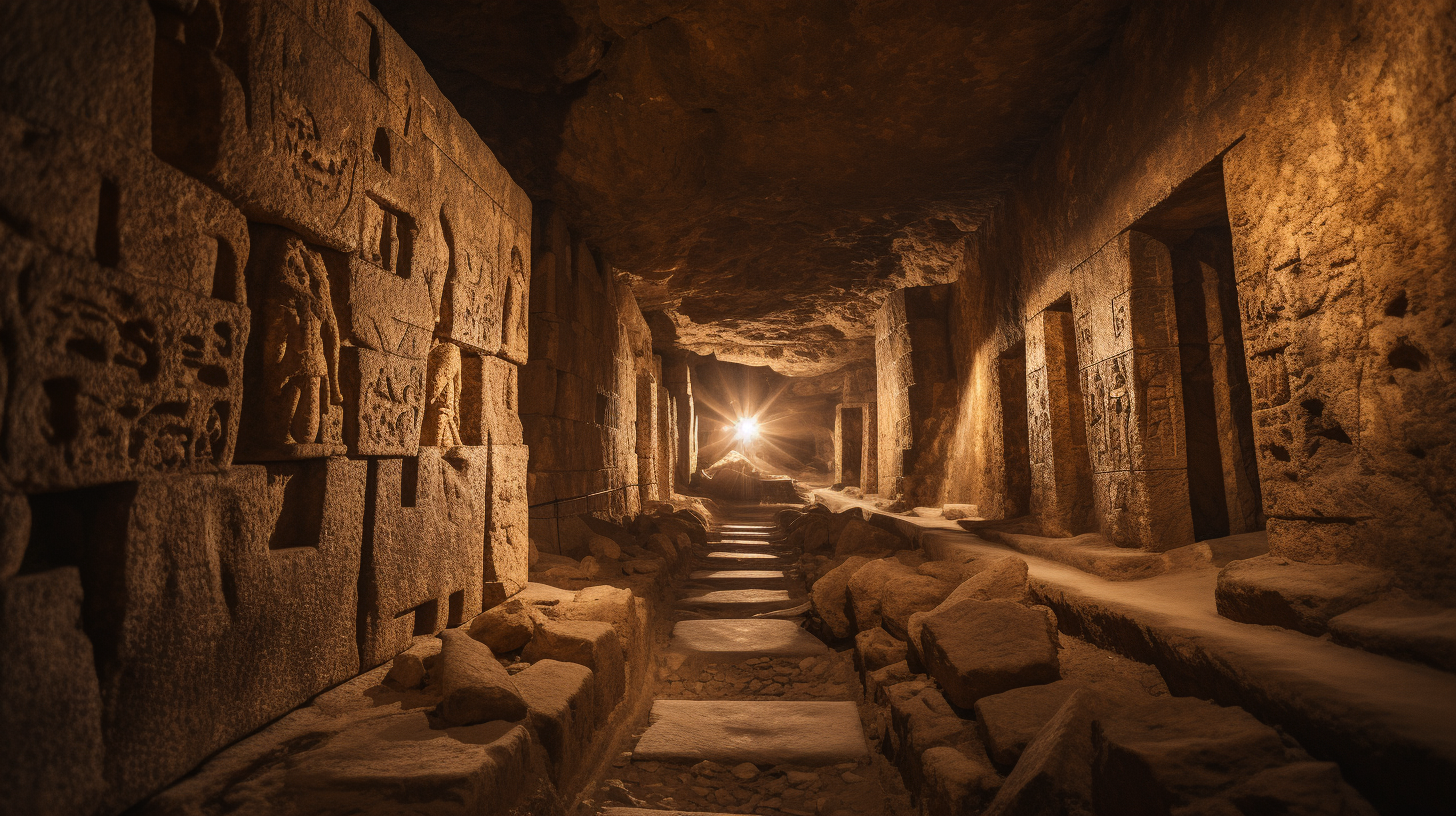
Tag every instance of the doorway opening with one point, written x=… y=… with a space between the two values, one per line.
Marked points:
x=1015 y=439
x=851 y=445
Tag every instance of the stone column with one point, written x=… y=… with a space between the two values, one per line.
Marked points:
x=677 y=375
x=1127 y=335
x=1061 y=486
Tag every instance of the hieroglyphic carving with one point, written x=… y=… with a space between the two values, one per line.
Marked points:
x=1160 y=437
x=384 y=398
x=113 y=377
x=442 y=402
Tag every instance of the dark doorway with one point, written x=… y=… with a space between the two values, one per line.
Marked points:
x=1223 y=479
x=1015 y=447
x=851 y=444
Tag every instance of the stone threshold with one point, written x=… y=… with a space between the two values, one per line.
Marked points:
x=1390 y=725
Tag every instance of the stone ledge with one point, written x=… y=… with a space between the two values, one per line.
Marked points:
x=1390 y=725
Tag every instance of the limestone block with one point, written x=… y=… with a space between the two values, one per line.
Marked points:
x=274 y=116
x=114 y=377
x=490 y=412
x=1275 y=591
x=1172 y=751
x=904 y=596
x=474 y=687
x=68 y=62
x=1054 y=774
x=384 y=402
x=561 y=697
x=424 y=567
x=1009 y=721
x=867 y=590
x=294 y=398
x=593 y=644
x=381 y=309
x=85 y=194
x=51 y=716
x=262 y=563
x=830 y=598
x=508 y=529
x=979 y=648
x=875 y=649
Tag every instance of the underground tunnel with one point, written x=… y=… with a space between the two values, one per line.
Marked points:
x=773 y=407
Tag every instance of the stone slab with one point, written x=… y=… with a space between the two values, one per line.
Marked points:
x=741 y=600
x=738 y=575
x=743 y=556
x=764 y=733
x=744 y=638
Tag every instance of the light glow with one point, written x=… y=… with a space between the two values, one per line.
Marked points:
x=746 y=430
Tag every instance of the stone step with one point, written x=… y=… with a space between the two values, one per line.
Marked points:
x=769 y=732
x=742 y=639
x=749 y=557
x=738 y=575
x=740 y=601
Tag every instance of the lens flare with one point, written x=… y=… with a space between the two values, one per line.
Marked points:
x=746 y=430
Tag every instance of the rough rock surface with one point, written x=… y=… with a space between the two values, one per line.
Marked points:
x=751 y=164
x=875 y=649
x=1276 y=591
x=830 y=598
x=1009 y=721
x=978 y=648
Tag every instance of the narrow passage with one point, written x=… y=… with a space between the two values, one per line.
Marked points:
x=751 y=714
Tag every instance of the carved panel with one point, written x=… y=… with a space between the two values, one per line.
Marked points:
x=113 y=378
x=384 y=402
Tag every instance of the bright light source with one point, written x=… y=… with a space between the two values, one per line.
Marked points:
x=746 y=430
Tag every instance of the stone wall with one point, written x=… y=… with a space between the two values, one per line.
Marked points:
x=264 y=300
x=916 y=392
x=1286 y=164
x=590 y=394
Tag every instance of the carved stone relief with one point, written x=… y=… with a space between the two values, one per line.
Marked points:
x=442 y=400
x=114 y=377
x=384 y=403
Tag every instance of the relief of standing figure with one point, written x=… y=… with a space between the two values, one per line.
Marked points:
x=442 y=397
x=301 y=347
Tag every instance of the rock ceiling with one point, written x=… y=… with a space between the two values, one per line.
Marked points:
x=765 y=172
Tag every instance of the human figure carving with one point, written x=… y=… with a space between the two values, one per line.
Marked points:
x=301 y=337
x=442 y=406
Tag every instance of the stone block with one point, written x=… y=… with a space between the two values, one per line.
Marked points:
x=867 y=589
x=922 y=719
x=1054 y=774
x=1410 y=630
x=114 y=377
x=830 y=597
x=1275 y=591
x=85 y=194
x=978 y=648
x=955 y=783
x=381 y=309
x=75 y=61
x=593 y=644
x=274 y=116
x=490 y=411
x=424 y=568
x=262 y=564
x=508 y=529
x=51 y=715
x=904 y=596
x=474 y=687
x=1010 y=721
x=875 y=649
x=1173 y=751
x=384 y=402
x=561 y=697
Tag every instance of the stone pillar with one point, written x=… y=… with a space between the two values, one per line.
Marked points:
x=916 y=391
x=679 y=379
x=1061 y=486
x=1127 y=337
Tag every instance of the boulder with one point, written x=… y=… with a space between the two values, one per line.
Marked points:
x=903 y=596
x=954 y=783
x=959 y=511
x=875 y=649
x=1298 y=789
x=604 y=549
x=1002 y=578
x=922 y=721
x=410 y=668
x=1009 y=721
x=866 y=587
x=859 y=537
x=507 y=627
x=1173 y=751
x=474 y=686
x=830 y=598
x=1275 y=591
x=875 y=682
x=978 y=648
x=662 y=545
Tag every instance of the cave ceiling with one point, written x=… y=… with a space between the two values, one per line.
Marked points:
x=764 y=172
